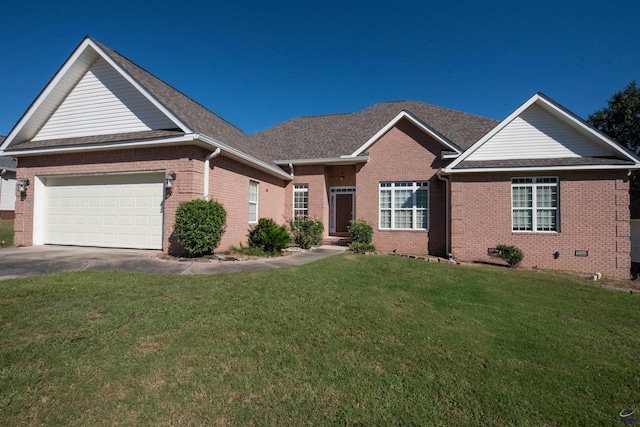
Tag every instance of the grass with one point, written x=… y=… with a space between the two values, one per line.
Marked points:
x=351 y=339
x=6 y=231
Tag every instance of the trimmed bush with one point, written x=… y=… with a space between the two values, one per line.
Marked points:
x=200 y=225
x=360 y=231
x=511 y=254
x=306 y=232
x=268 y=236
x=361 y=248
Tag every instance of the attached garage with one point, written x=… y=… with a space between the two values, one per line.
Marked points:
x=117 y=210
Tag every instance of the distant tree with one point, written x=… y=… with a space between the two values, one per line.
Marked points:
x=620 y=120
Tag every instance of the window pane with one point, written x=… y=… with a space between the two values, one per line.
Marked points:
x=403 y=199
x=546 y=220
x=522 y=197
x=421 y=219
x=547 y=197
x=403 y=219
x=422 y=198
x=385 y=219
x=253 y=191
x=385 y=199
x=253 y=214
x=522 y=220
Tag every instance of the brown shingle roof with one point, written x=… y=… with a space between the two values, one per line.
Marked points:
x=8 y=163
x=342 y=134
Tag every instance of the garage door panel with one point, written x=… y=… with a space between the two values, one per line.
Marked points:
x=108 y=210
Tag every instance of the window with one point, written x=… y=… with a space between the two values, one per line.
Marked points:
x=253 y=201
x=534 y=204
x=404 y=205
x=301 y=200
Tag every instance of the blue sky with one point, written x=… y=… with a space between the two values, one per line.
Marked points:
x=257 y=64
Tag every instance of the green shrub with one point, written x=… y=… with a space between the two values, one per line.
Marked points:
x=306 y=232
x=360 y=231
x=511 y=254
x=361 y=248
x=200 y=225
x=268 y=236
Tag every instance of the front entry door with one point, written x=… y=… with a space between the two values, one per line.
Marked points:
x=344 y=213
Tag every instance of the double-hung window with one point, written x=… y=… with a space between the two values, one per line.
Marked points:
x=404 y=205
x=253 y=201
x=534 y=204
x=301 y=200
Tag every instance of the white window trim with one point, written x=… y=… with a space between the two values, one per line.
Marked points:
x=414 y=187
x=254 y=202
x=534 y=184
x=300 y=188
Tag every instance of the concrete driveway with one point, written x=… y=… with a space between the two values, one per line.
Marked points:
x=37 y=260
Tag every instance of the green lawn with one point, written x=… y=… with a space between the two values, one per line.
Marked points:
x=6 y=231
x=370 y=340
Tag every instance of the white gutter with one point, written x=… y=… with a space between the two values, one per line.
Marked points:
x=101 y=146
x=447 y=211
x=542 y=168
x=273 y=170
x=324 y=161
x=206 y=172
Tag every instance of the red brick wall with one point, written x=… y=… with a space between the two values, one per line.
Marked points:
x=314 y=176
x=594 y=216
x=405 y=153
x=229 y=185
x=188 y=164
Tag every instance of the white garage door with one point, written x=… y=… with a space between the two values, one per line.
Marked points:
x=118 y=211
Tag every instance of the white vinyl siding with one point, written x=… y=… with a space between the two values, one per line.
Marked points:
x=534 y=204
x=120 y=210
x=301 y=200
x=103 y=102
x=404 y=205
x=538 y=134
x=253 y=201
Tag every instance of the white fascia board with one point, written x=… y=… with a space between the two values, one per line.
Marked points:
x=494 y=131
x=143 y=91
x=244 y=158
x=45 y=93
x=449 y=171
x=404 y=114
x=143 y=143
x=80 y=50
x=548 y=105
x=343 y=160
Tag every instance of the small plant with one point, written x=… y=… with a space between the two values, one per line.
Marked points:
x=200 y=225
x=511 y=254
x=268 y=236
x=361 y=248
x=306 y=232
x=360 y=231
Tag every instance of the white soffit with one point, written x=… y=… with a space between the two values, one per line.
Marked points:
x=404 y=114
x=540 y=129
x=101 y=103
x=63 y=83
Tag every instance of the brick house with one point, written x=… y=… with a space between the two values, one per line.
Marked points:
x=107 y=152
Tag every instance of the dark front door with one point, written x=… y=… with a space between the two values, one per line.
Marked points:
x=344 y=212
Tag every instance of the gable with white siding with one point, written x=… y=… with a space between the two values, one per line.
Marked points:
x=102 y=103
x=537 y=133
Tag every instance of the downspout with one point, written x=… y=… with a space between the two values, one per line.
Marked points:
x=447 y=212
x=291 y=169
x=206 y=172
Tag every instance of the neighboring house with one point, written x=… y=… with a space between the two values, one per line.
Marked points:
x=8 y=167
x=109 y=152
